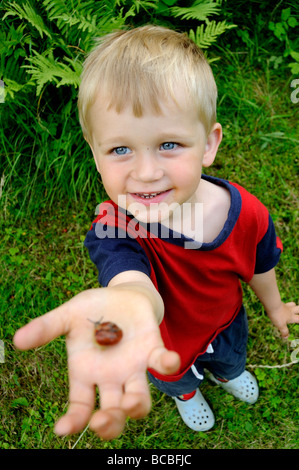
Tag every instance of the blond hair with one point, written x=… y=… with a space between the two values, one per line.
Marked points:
x=144 y=66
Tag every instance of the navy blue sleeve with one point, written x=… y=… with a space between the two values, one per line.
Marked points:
x=114 y=253
x=268 y=250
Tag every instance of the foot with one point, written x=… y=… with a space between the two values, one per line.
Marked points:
x=195 y=412
x=244 y=387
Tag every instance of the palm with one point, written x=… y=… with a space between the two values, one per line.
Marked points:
x=92 y=365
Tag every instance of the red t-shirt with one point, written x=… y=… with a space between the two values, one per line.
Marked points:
x=200 y=287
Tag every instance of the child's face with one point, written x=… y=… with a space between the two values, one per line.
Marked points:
x=155 y=161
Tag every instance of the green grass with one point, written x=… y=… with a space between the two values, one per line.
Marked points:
x=44 y=264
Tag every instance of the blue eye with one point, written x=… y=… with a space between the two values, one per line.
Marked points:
x=121 y=150
x=168 y=146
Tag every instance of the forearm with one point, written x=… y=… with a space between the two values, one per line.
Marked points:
x=265 y=287
x=280 y=313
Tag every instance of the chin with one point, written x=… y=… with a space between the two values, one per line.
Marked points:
x=155 y=215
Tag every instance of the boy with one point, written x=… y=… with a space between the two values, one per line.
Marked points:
x=171 y=244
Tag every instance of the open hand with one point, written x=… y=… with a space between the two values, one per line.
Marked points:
x=119 y=371
x=287 y=313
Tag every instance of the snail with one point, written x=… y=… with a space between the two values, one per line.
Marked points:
x=107 y=333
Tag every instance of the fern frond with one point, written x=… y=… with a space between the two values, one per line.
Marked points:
x=27 y=12
x=10 y=69
x=12 y=87
x=200 y=10
x=89 y=17
x=206 y=35
x=66 y=16
x=12 y=38
x=45 y=69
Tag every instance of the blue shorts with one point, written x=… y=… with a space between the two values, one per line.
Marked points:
x=225 y=358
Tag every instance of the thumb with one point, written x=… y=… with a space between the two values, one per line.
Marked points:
x=284 y=331
x=43 y=329
x=57 y=322
x=164 y=361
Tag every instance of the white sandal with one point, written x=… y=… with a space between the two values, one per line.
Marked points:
x=244 y=387
x=195 y=412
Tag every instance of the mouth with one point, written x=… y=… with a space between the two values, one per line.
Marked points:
x=151 y=197
x=148 y=195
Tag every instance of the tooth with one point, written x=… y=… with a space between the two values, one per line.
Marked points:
x=147 y=195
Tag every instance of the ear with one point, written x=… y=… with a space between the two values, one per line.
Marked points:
x=213 y=142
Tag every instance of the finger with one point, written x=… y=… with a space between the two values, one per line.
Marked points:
x=108 y=424
x=76 y=418
x=136 y=405
x=110 y=395
x=164 y=361
x=81 y=405
x=43 y=329
x=55 y=323
x=294 y=311
x=109 y=421
x=284 y=331
x=136 y=401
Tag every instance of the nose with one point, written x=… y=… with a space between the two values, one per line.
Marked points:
x=147 y=167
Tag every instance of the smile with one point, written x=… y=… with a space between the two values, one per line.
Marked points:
x=148 y=195
x=152 y=197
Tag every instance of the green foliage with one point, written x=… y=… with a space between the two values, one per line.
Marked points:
x=199 y=10
x=267 y=33
x=44 y=69
x=67 y=30
x=281 y=30
x=206 y=35
x=28 y=13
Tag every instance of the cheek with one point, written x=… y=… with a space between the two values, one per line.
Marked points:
x=113 y=180
x=188 y=175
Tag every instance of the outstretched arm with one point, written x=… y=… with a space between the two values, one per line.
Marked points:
x=119 y=371
x=281 y=314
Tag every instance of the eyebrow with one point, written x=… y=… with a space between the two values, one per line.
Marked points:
x=112 y=142
x=174 y=136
